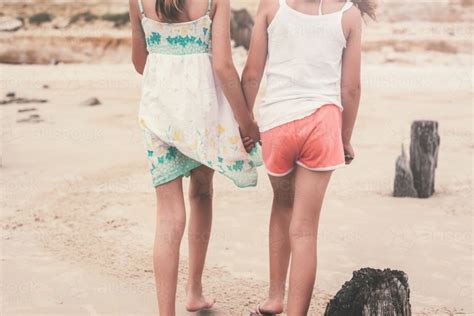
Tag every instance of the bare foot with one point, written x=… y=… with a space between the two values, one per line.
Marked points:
x=196 y=304
x=270 y=307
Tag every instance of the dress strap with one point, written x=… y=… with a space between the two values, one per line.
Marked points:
x=209 y=7
x=321 y=8
x=142 y=10
x=347 y=6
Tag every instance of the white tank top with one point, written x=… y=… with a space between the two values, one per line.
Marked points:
x=303 y=66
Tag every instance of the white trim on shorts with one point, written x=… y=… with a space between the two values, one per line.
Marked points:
x=280 y=174
x=330 y=168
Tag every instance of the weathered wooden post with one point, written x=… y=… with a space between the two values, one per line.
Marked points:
x=372 y=292
x=403 y=184
x=424 y=150
x=241 y=26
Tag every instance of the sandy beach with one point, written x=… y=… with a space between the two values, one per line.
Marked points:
x=78 y=209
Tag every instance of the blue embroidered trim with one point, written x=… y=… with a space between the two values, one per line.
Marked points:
x=176 y=45
x=153 y=39
x=173 y=39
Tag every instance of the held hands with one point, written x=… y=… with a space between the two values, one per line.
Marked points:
x=250 y=134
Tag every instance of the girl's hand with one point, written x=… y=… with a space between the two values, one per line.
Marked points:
x=249 y=144
x=250 y=134
x=349 y=154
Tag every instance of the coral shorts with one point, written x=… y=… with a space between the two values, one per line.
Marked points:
x=313 y=142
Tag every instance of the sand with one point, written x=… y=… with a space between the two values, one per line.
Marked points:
x=78 y=209
x=77 y=205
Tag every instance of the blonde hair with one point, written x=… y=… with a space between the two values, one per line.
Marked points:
x=169 y=10
x=367 y=7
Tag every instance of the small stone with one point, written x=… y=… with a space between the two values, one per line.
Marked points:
x=91 y=102
x=8 y=24
x=33 y=118
x=12 y=99
x=26 y=110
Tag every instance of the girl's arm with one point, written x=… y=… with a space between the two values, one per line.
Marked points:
x=255 y=66
x=139 y=51
x=226 y=72
x=350 y=81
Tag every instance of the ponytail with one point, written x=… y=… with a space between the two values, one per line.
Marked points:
x=367 y=7
x=169 y=10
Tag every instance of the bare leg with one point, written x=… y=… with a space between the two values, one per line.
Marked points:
x=310 y=188
x=199 y=231
x=283 y=197
x=170 y=223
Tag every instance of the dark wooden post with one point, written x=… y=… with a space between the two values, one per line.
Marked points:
x=372 y=292
x=424 y=150
x=241 y=26
x=403 y=184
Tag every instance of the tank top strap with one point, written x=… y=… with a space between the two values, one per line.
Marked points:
x=209 y=7
x=140 y=6
x=320 y=12
x=346 y=6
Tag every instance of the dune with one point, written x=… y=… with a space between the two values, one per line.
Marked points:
x=403 y=26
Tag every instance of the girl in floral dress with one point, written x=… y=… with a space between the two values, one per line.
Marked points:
x=193 y=115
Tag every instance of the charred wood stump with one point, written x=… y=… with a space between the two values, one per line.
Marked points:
x=241 y=26
x=403 y=184
x=372 y=292
x=424 y=150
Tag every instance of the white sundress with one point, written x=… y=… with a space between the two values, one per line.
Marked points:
x=186 y=119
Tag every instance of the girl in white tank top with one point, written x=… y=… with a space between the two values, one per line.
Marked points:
x=311 y=50
x=303 y=66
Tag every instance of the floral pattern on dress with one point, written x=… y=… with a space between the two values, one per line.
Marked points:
x=186 y=119
x=178 y=39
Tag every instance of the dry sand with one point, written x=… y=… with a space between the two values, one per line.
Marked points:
x=77 y=207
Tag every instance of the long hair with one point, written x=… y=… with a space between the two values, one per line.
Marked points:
x=367 y=7
x=169 y=10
